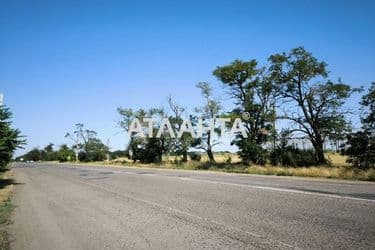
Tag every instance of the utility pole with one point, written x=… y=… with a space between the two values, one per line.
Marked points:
x=1 y=99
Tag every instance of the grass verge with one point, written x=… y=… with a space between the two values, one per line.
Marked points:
x=338 y=171
x=6 y=208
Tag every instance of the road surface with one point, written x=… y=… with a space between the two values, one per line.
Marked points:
x=91 y=207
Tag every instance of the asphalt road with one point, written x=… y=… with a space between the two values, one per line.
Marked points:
x=70 y=207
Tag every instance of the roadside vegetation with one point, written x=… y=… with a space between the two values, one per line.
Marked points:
x=6 y=207
x=339 y=168
x=292 y=88
x=10 y=140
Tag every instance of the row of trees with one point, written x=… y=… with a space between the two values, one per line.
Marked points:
x=293 y=86
x=63 y=153
x=152 y=149
x=86 y=147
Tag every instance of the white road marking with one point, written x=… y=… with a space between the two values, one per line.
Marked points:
x=287 y=190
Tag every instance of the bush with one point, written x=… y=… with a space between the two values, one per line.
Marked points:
x=293 y=157
x=252 y=152
x=65 y=154
x=195 y=156
x=147 y=151
x=228 y=160
x=360 y=148
x=33 y=155
x=91 y=156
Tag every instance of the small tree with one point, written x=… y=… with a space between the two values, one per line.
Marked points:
x=209 y=111
x=180 y=145
x=80 y=138
x=145 y=150
x=95 y=150
x=313 y=104
x=10 y=138
x=87 y=145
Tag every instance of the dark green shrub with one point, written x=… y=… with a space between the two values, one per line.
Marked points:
x=251 y=152
x=293 y=157
x=195 y=156
x=360 y=148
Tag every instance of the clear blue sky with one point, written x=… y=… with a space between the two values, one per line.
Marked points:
x=63 y=62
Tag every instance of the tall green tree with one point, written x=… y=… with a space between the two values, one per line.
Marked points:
x=361 y=145
x=313 y=103
x=252 y=92
x=10 y=138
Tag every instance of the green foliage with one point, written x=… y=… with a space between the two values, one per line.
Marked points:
x=194 y=156
x=34 y=154
x=94 y=150
x=89 y=147
x=48 y=154
x=145 y=150
x=228 y=160
x=148 y=150
x=360 y=146
x=5 y=210
x=118 y=153
x=81 y=137
x=252 y=91
x=10 y=138
x=319 y=104
x=180 y=146
x=65 y=154
x=290 y=156
x=361 y=150
x=368 y=102
x=208 y=112
x=251 y=151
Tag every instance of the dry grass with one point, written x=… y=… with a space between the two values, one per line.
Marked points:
x=322 y=172
x=6 y=185
x=338 y=169
x=337 y=159
x=6 y=207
